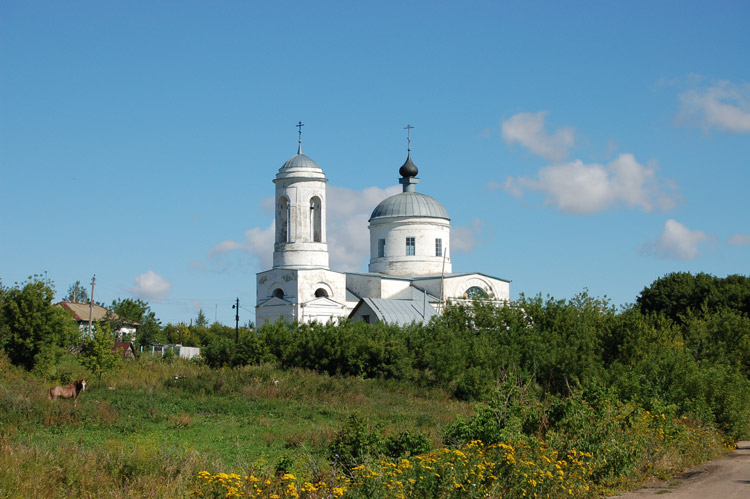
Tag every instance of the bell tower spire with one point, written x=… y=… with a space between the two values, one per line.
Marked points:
x=299 y=126
x=408 y=170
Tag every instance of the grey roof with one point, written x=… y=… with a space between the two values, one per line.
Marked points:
x=400 y=312
x=410 y=204
x=415 y=294
x=456 y=275
x=299 y=161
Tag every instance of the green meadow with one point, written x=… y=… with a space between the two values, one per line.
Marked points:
x=149 y=427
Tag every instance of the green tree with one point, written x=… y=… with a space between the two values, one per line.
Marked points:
x=220 y=352
x=31 y=328
x=680 y=293
x=180 y=334
x=201 y=321
x=98 y=355
x=77 y=293
x=129 y=311
x=250 y=350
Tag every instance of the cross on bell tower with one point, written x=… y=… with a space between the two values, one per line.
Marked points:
x=408 y=128
x=299 y=126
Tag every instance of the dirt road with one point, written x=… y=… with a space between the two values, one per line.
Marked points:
x=725 y=478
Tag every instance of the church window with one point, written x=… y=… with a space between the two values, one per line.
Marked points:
x=410 y=246
x=321 y=293
x=438 y=247
x=282 y=219
x=476 y=293
x=278 y=293
x=381 y=248
x=316 y=220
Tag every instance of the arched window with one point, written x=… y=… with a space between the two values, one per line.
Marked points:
x=278 y=293
x=321 y=293
x=316 y=220
x=476 y=293
x=282 y=220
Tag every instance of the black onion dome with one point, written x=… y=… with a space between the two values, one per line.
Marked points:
x=408 y=169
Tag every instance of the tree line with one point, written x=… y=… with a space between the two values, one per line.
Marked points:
x=34 y=333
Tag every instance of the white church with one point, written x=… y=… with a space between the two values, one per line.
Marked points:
x=410 y=277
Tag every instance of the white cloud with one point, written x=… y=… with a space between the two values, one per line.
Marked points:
x=348 y=238
x=267 y=206
x=725 y=106
x=347 y=216
x=740 y=240
x=198 y=306
x=528 y=130
x=493 y=186
x=583 y=189
x=258 y=242
x=676 y=242
x=466 y=237
x=150 y=286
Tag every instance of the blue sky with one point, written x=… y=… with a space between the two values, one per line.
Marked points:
x=575 y=145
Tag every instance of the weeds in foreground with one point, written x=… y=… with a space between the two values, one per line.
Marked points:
x=644 y=445
x=523 y=469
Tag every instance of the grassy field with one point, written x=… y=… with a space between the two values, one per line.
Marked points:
x=148 y=428
x=177 y=429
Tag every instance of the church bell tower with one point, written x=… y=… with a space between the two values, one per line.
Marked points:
x=300 y=209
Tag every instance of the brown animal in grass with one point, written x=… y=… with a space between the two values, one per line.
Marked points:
x=68 y=391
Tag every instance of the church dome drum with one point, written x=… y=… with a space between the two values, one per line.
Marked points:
x=409 y=232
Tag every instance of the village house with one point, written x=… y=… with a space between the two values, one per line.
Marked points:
x=82 y=311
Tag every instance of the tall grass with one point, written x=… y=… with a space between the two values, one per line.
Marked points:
x=147 y=428
x=171 y=429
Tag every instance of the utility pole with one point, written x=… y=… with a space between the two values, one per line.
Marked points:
x=237 y=322
x=91 y=305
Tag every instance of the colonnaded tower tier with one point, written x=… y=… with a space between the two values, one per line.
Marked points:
x=300 y=241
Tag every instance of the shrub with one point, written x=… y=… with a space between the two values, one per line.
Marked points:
x=355 y=442
x=219 y=352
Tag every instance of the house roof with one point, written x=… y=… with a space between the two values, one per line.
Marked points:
x=123 y=347
x=81 y=311
x=351 y=296
x=415 y=294
x=398 y=312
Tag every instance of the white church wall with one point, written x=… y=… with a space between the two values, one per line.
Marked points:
x=270 y=314
x=322 y=310
x=272 y=280
x=458 y=286
x=455 y=286
x=424 y=261
x=364 y=285
x=391 y=287
x=312 y=280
